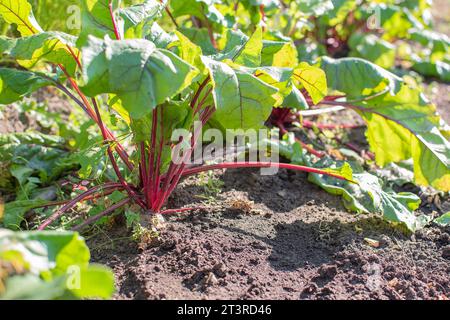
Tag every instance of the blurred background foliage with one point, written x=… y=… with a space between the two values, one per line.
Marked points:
x=54 y=14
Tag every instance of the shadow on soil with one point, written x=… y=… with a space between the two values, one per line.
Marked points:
x=299 y=244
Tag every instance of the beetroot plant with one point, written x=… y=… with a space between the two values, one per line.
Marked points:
x=168 y=71
x=123 y=63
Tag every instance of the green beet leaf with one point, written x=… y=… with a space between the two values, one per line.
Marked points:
x=241 y=99
x=358 y=78
x=141 y=75
x=20 y=13
x=250 y=55
x=53 y=47
x=16 y=84
x=281 y=54
x=369 y=195
x=402 y=124
x=55 y=266
x=374 y=49
x=313 y=79
x=406 y=126
x=199 y=8
x=443 y=220
x=315 y=7
x=138 y=19
x=15 y=212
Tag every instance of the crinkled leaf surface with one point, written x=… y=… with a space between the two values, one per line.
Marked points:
x=141 y=75
x=241 y=99
x=367 y=195
x=250 y=55
x=45 y=46
x=358 y=78
x=279 y=54
x=189 y=51
x=201 y=38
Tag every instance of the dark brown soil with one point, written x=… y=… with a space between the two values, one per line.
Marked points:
x=12 y=120
x=276 y=237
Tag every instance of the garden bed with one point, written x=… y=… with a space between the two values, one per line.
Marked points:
x=297 y=243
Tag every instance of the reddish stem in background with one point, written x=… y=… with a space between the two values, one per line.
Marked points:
x=64 y=202
x=88 y=109
x=151 y=157
x=198 y=93
x=305 y=146
x=130 y=192
x=211 y=34
x=75 y=57
x=160 y=150
x=355 y=148
x=143 y=164
x=263 y=17
x=76 y=200
x=310 y=124
x=237 y=165
x=170 y=13
x=119 y=148
x=111 y=12
x=105 y=213
x=356 y=108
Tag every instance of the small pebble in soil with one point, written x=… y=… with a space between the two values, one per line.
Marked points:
x=446 y=252
x=168 y=245
x=444 y=238
x=310 y=289
x=372 y=242
x=210 y=280
x=385 y=241
x=283 y=193
x=327 y=271
x=220 y=270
